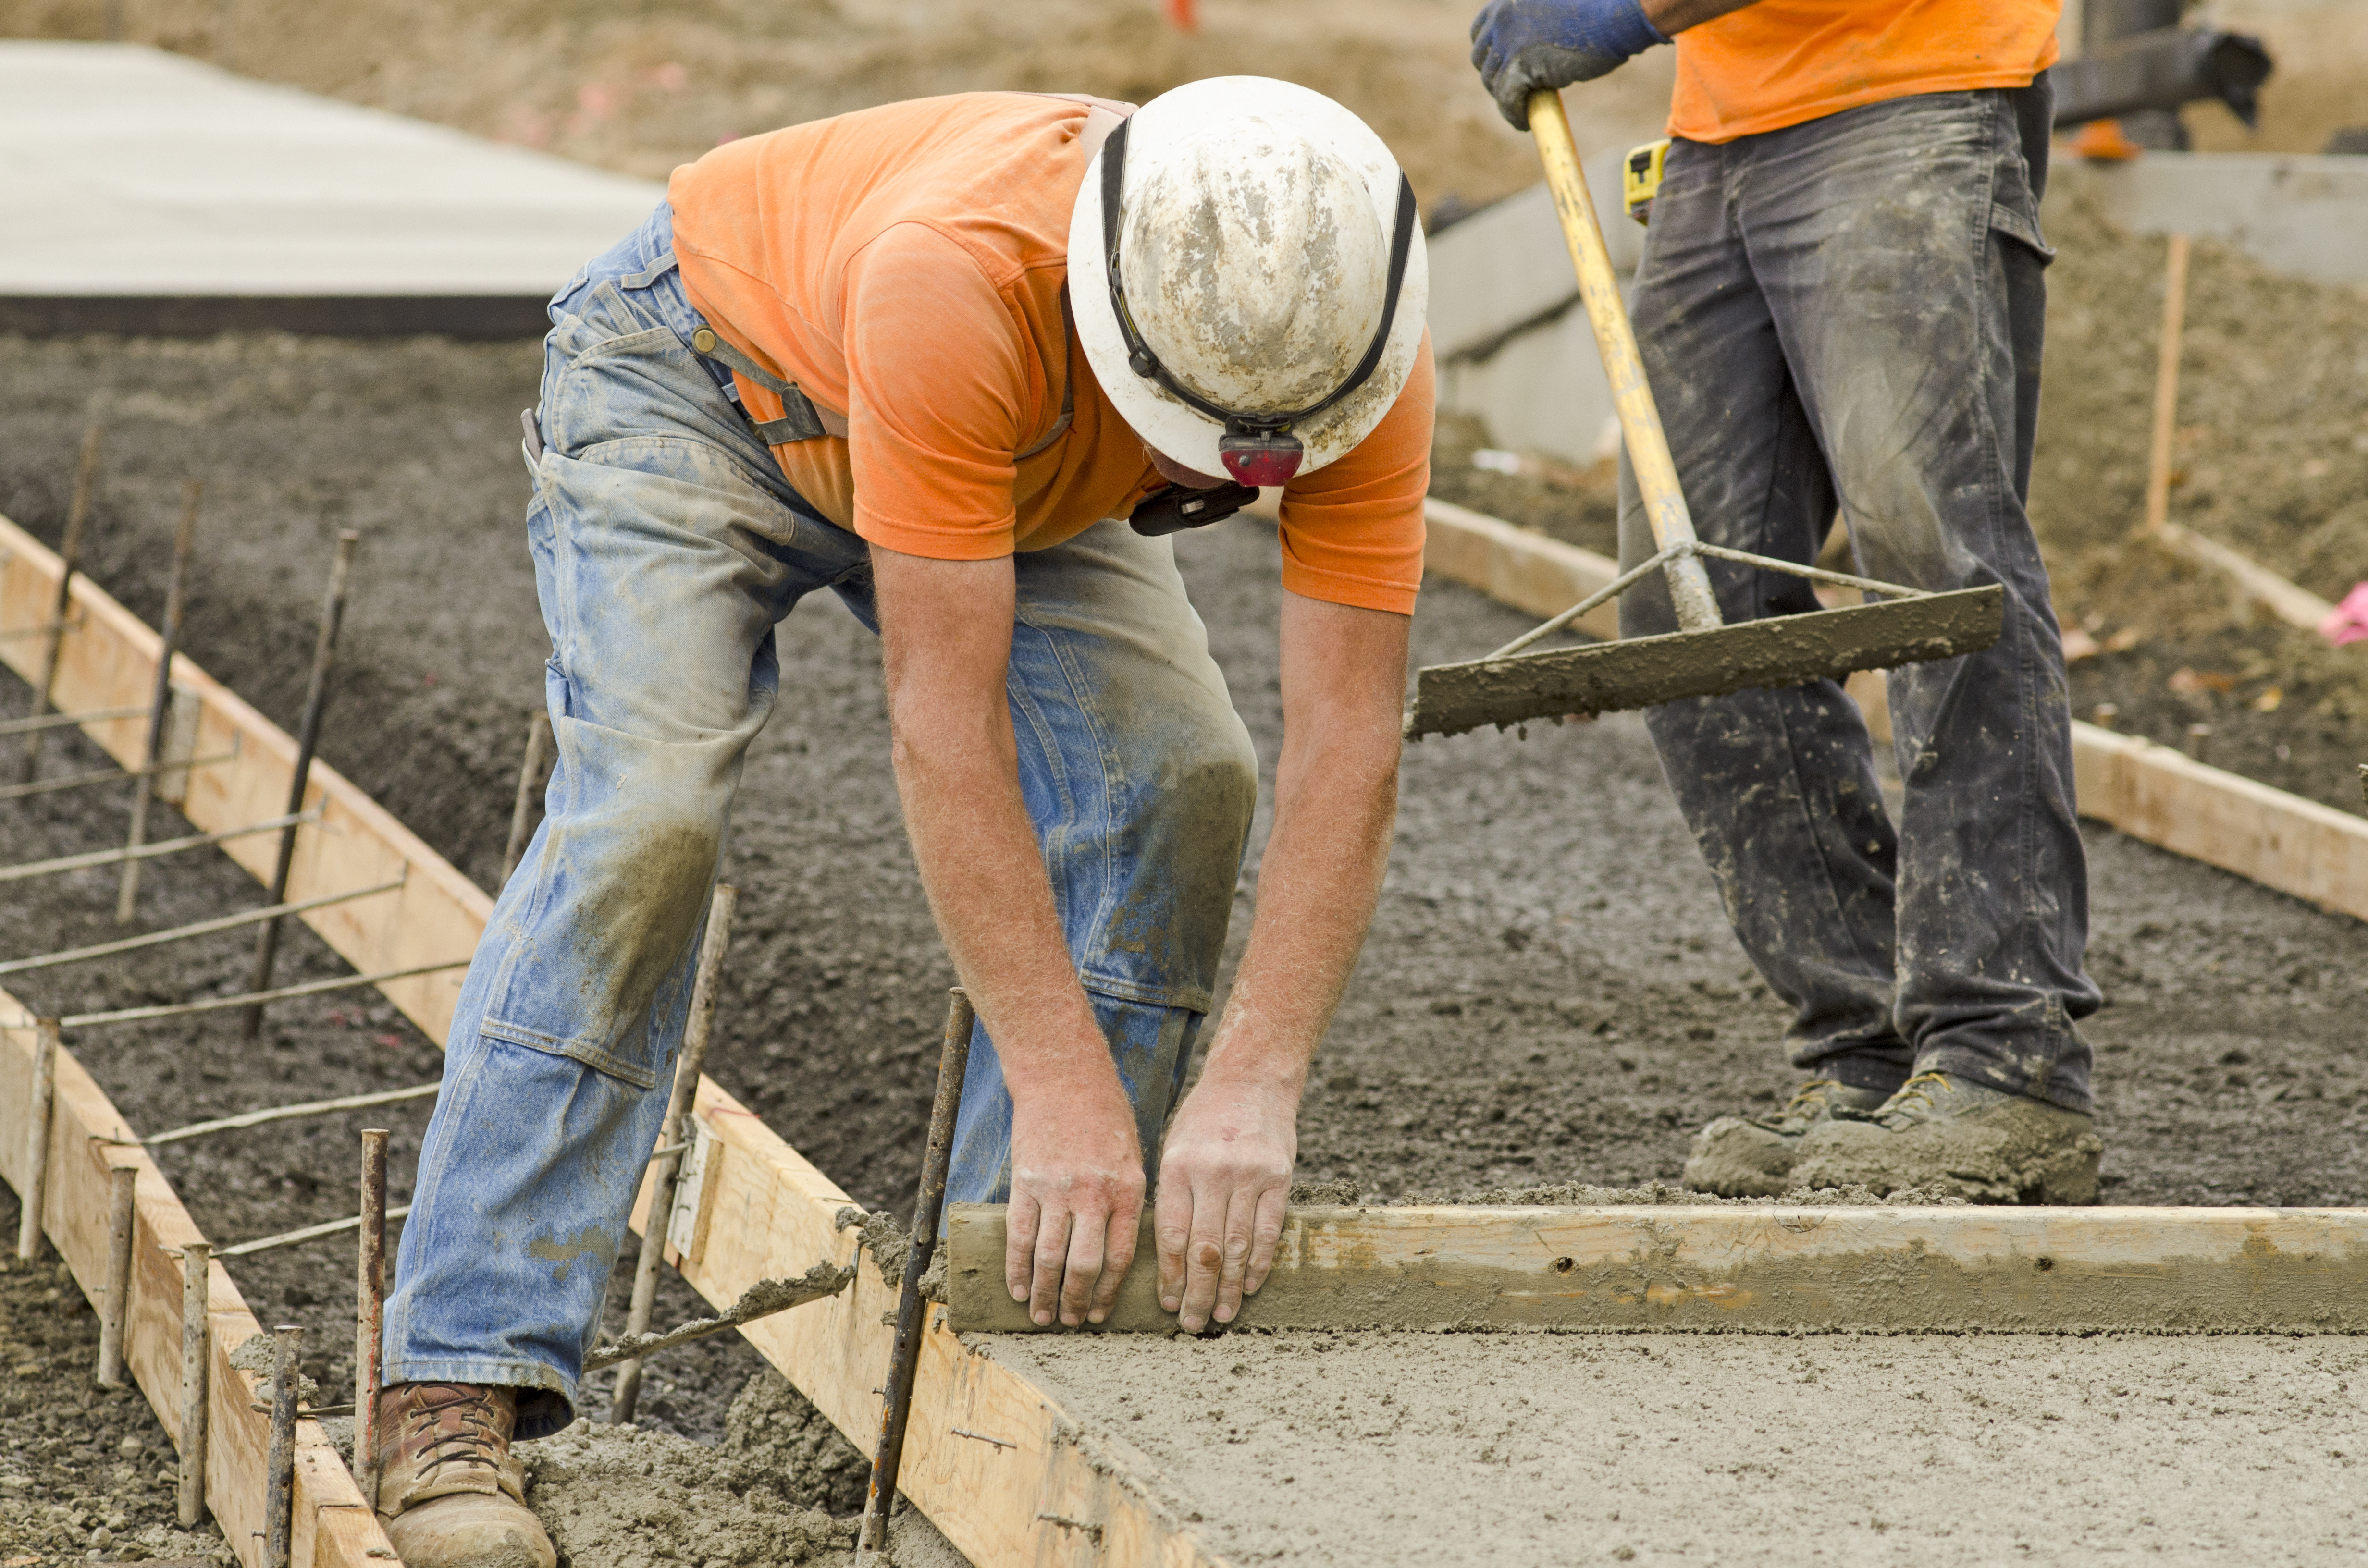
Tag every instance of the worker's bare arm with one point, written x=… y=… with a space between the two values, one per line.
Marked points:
x=1225 y=1168
x=1076 y=1168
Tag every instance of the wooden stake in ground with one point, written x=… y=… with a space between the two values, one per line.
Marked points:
x=369 y=1311
x=308 y=736
x=70 y=553
x=115 y=1294
x=2166 y=384
x=534 y=772
x=160 y=702
x=35 y=1195
x=676 y=1131
x=196 y=1367
x=280 y=1484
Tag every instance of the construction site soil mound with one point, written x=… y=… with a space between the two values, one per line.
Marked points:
x=1316 y=1449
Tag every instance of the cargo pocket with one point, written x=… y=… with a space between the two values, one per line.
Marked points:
x=2016 y=224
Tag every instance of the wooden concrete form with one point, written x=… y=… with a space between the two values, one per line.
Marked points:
x=2148 y=791
x=333 y=1528
x=993 y=1461
x=1769 y=1268
x=2289 y=601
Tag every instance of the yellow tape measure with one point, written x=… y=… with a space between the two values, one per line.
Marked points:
x=1640 y=178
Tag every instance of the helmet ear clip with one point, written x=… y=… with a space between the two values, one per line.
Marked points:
x=1264 y=458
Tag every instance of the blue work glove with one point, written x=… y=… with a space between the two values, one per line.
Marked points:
x=1522 y=45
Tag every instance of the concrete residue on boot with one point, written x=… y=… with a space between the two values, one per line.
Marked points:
x=1981 y=1144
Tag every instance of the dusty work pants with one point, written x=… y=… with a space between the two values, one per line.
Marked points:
x=667 y=546
x=1848 y=313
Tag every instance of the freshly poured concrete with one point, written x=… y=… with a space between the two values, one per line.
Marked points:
x=127 y=172
x=1510 y=1450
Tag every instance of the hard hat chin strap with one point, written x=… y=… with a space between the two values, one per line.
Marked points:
x=1256 y=449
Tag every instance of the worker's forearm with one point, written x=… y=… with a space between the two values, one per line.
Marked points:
x=1317 y=885
x=986 y=881
x=1336 y=801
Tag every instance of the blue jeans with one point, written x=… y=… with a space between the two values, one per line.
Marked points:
x=1848 y=314
x=667 y=546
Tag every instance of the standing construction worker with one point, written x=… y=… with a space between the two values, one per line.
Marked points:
x=1839 y=307
x=965 y=362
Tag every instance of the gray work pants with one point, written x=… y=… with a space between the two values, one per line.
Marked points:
x=1848 y=313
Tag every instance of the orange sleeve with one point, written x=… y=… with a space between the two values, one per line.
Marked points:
x=1352 y=530
x=936 y=387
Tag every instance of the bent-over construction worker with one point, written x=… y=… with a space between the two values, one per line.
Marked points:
x=1839 y=306
x=965 y=362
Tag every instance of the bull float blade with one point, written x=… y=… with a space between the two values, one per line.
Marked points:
x=1782 y=651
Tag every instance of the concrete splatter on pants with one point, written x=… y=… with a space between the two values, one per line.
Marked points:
x=667 y=546
x=1848 y=313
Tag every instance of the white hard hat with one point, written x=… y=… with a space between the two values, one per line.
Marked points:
x=1255 y=304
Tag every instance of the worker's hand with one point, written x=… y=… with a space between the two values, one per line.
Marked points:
x=1077 y=1199
x=1520 y=46
x=1224 y=1175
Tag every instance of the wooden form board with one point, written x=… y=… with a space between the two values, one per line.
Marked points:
x=2148 y=791
x=1762 y=1267
x=762 y=1209
x=333 y=1526
x=109 y=660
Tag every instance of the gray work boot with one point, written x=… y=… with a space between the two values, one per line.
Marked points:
x=1942 y=1133
x=450 y=1494
x=1752 y=1156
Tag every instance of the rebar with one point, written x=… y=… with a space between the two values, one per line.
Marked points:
x=28 y=870
x=109 y=776
x=212 y=1004
x=284 y=1113
x=115 y=1298
x=160 y=699
x=196 y=1365
x=308 y=736
x=69 y=557
x=182 y=933
x=534 y=772
x=954 y=1066
x=37 y=1155
x=669 y=1168
x=369 y=1311
x=60 y=721
x=307 y=1234
x=761 y=1299
x=279 y=1486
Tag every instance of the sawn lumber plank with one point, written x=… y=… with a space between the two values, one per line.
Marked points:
x=333 y=1528
x=1762 y=1267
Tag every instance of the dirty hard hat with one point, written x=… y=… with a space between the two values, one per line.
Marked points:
x=1248 y=277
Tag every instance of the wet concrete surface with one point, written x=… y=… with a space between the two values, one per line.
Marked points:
x=1549 y=993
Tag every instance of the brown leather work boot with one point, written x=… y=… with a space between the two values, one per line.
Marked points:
x=448 y=1493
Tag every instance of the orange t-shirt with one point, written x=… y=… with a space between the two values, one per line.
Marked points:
x=1780 y=62
x=904 y=266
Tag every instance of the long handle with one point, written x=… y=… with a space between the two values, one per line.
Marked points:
x=1639 y=421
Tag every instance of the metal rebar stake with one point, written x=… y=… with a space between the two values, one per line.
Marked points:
x=70 y=557
x=115 y=1297
x=308 y=736
x=36 y=1152
x=669 y=1171
x=954 y=1066
x=280 y=1478
x=534 y=772
x=197 y=1366
x=370 y=1312
x=160 y=703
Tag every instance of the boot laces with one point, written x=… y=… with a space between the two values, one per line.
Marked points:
x=1917 y=1096
x=474 y=1441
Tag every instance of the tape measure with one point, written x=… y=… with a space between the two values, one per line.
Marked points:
x=1640 y=178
